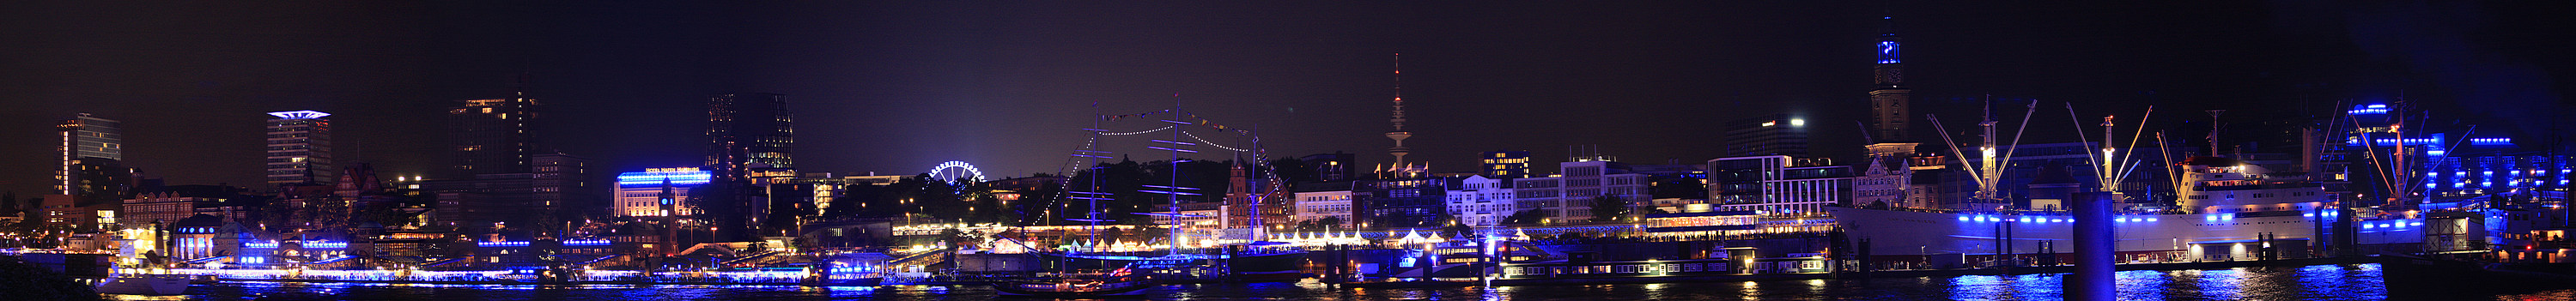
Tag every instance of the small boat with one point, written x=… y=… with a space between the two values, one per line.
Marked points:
x=1120 y=283
x=145 y=285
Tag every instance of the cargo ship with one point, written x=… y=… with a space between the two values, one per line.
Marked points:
x=2226 y=210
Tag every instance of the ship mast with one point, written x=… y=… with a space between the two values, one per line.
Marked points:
x=2213 y=132
x=1986 y=168
x=1989 y=171
x=1172 y=194
x=2110 y=164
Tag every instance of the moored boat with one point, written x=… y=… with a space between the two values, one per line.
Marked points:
x=1119 y=283
x=145 y=285
x=2230 y=210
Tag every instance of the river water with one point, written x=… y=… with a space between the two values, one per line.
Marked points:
x=2320 y=282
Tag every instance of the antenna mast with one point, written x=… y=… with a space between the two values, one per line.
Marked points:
x=1399 y=134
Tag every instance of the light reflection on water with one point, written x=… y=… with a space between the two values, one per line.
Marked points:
x=2323 y=282
x=2220 y=284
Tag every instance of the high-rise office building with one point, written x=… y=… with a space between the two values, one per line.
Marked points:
x=91 y=149
x=1504 y=164
x=492 y=136
x=500 y=178
x=1774 y=134
x=562 y=186
x=748 y=148
x=748 y=132
x=299 y=149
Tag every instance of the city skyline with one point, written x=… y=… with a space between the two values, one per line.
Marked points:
x=1653 y=80
x=1839 y=149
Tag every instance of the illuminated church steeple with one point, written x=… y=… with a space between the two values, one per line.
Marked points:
x=1888 y=99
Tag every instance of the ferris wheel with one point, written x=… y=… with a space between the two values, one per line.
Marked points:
x=957 y=171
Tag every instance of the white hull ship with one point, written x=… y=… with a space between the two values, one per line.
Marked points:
x=2230 y=211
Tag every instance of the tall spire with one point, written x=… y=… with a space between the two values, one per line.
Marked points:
x=1399 y=134
x=1889 y=97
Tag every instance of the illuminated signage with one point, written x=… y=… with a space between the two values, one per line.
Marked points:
x=305 y=114
x=655 y=176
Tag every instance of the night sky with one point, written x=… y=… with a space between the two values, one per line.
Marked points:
x=899 y=87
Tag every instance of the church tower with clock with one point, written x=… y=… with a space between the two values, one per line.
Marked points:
x=1888 y=98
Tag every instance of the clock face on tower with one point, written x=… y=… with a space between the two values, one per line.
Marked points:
x=1887 y=52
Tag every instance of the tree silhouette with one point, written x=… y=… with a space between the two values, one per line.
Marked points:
x=1608 y=208
x=1524 y=217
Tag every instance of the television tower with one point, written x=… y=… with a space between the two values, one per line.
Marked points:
x=1399 y=134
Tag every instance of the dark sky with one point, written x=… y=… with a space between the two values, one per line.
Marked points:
x=899 y=87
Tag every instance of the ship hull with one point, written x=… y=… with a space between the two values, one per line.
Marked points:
x=145 y=285
x=2158 y=237
x=1243 y=267
x=1111 y=287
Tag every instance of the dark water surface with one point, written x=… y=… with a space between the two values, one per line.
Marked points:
x=2321 y=282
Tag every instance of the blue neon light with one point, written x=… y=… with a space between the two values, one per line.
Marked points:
x=853 y=269
x=502 y=244
x=586 y=242
x=656 y=177
x=1887 y=53
x=325 y=245
x=260 y=245
x=2368 y=109
x=2436 y=140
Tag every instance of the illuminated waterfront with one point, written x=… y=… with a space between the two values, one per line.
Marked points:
x=2322 y=282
